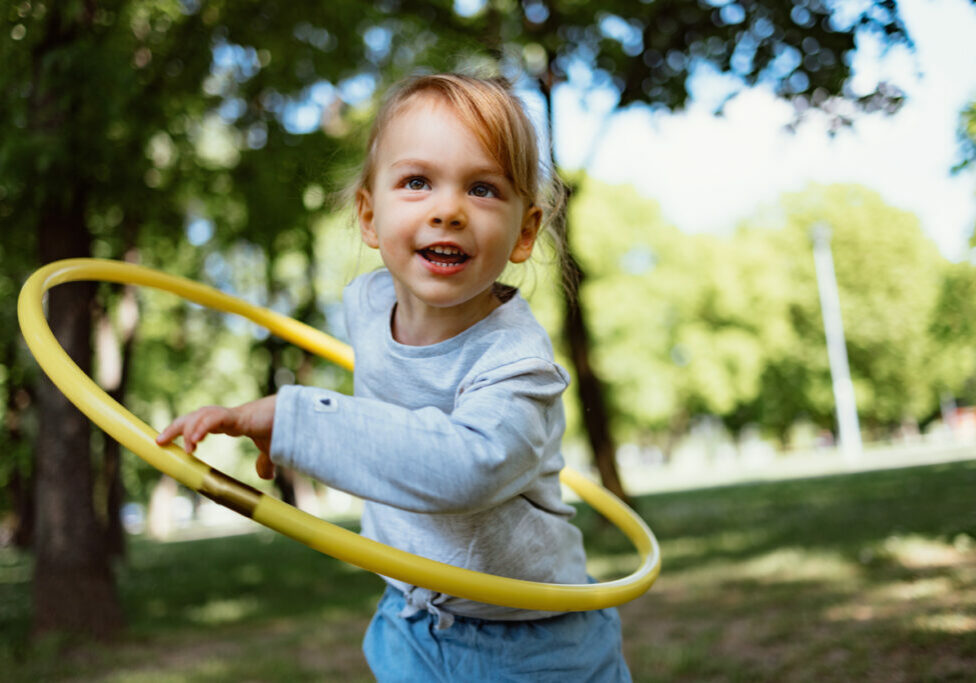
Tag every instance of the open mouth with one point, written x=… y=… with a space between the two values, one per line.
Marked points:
x=444 y=255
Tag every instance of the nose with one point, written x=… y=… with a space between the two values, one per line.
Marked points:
x=449 y=212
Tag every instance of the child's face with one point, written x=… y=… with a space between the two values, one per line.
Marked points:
x=441 y=211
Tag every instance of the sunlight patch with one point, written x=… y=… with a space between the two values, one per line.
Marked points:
x=727 y=542
x=797 y=564
x=223 y=611
x=902 y=599
x=860 y=611
x=947 y=623
x=918 y=552
x=917 y=590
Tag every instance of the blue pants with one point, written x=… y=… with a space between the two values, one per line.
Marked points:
x=576 y=646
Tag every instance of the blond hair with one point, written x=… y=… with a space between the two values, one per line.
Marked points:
x=487 y=107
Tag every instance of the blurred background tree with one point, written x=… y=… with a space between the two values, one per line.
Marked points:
x=139 y=129
x=690 y=325
x=967 y=136
x=209 y=139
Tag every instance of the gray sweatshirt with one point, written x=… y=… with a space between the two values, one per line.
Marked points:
x=454 y=446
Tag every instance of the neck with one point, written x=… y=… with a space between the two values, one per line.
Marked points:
x=416 y=324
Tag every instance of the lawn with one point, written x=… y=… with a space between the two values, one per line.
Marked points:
x=863 y=577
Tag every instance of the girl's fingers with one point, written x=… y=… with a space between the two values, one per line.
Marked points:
x=174 y=429
x=196 y=425
x=264 y=466
x=206 y=421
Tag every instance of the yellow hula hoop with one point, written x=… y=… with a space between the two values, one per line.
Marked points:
x=328 y=538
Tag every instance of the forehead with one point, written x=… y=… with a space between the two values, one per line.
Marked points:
x=427 y=124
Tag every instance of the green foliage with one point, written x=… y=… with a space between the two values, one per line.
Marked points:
x=889 y=275
x=967 y=136
x=18 y=373
x=646 y=50
x=687 y=325
x=150 y=118
x=952 y=330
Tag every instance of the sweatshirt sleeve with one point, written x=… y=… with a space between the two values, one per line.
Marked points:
x=489 y=449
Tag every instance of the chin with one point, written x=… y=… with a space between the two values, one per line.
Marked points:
x=449 y=299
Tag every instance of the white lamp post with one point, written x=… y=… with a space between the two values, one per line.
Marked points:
x=840 y=374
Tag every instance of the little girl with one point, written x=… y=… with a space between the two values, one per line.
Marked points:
x=453 y=434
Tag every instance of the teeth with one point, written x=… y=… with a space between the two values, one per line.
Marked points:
x=439 y=249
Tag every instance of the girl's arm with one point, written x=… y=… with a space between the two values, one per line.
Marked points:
x=491 y=448
x=254 y=420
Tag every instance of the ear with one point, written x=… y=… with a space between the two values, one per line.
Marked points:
x=364 y=209
x=527 y=234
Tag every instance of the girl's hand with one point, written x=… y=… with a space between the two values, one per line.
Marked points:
x=253 y=420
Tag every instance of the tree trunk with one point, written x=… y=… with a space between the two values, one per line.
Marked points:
x=114 y=497
x=74 y=590
x=589 y=387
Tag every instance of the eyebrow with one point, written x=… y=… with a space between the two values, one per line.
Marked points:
x=478 y=171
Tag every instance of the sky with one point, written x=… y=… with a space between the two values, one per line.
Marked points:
x=709 y=172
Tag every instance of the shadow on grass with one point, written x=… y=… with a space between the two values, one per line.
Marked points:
x=868 y=577
x=237 y=579
x=793 y=630
x=211 y=589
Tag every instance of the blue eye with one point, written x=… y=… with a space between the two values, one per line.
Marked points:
x=483 y=190
x=416 y=184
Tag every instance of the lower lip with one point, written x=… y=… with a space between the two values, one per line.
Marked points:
x=439 y=269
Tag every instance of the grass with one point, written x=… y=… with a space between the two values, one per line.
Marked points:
x=858 y=577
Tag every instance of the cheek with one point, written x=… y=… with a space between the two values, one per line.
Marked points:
x=393 y=237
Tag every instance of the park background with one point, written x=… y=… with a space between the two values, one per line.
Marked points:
x=211 y=139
